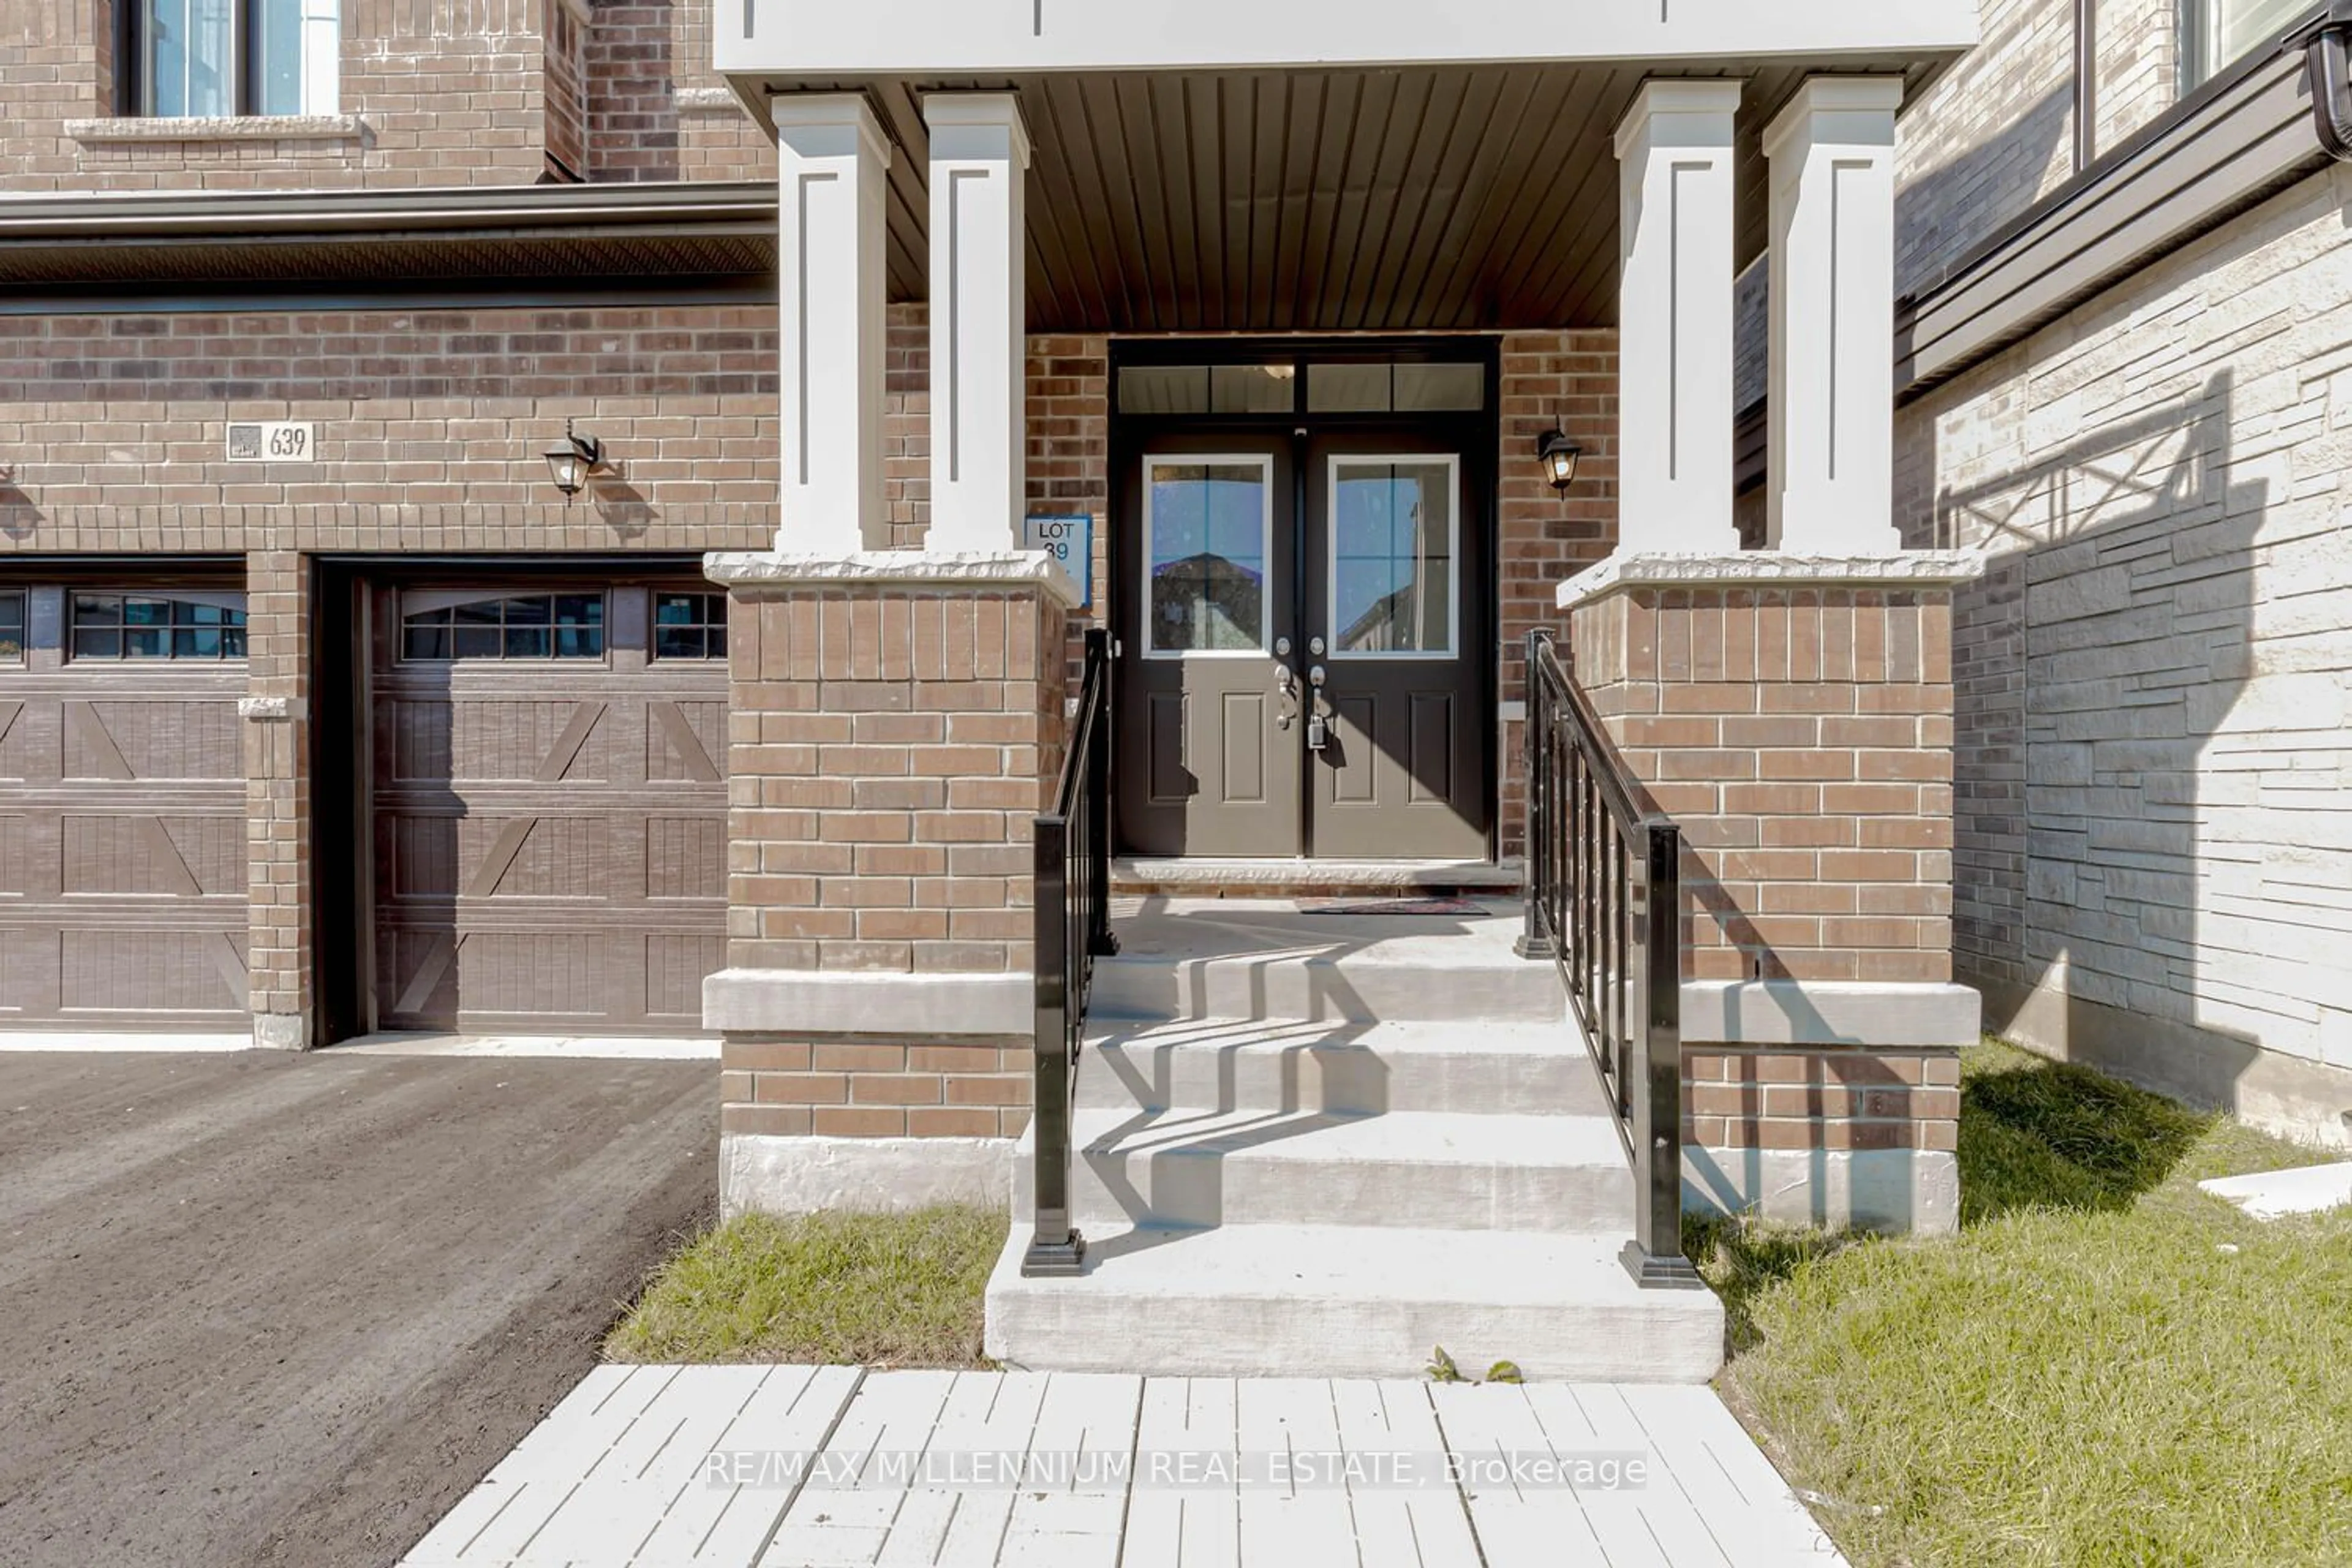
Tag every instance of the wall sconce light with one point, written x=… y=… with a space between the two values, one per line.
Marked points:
x=573 y=460
x=1559 y=456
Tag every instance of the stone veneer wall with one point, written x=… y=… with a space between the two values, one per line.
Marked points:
x=2155 y=678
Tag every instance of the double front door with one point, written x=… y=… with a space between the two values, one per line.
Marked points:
x=1302 y=645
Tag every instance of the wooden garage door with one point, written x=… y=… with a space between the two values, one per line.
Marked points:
x=123 y=864
x=549 y=806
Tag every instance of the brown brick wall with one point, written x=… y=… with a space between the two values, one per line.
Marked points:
x=1545 y=536
x=890 y=746
x=128 y=414
x=450 y=92
x=1802 y=738
x=431 y=424
x=651 y=114
x=870 y=1087
x=1788 y=1098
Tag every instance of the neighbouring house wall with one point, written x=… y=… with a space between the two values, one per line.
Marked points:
x=2155 y=679
x=1993 y=135
x=433 y=92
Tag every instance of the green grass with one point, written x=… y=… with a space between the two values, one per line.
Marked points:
x=2104 y=1366
x=856 y=1288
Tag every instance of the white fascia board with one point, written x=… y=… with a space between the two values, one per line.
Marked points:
x=819 y=38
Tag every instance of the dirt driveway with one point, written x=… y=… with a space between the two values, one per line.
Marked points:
x=282 y=1309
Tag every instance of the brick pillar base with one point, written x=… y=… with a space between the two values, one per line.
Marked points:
x=1794 y=715
x=896 y=725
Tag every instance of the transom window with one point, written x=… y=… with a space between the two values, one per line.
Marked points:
x=217 y=59
x=1403 y=386
x=11 y=627
x=444 y=627
x=690 y=625
x=191 y=626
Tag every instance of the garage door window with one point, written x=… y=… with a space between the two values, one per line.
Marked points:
x=12 y=629
x=527 y=626
x=690 y=625
x=194 y=627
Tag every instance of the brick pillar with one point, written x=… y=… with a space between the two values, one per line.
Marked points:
x=896 y=728
x=1794 y=716
x=278 y=807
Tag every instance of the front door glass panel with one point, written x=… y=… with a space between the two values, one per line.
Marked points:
x=1393 y=542
x=1208 y=527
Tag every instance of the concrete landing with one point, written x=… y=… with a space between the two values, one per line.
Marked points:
x=756 y=1467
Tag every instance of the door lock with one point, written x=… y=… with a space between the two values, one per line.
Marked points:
x=1318 y=734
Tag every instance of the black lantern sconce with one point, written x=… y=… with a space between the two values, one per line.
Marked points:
x=573 y=460
x=1559 y=456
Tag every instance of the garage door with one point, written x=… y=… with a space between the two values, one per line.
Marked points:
x=549 y=809
x=123 y=864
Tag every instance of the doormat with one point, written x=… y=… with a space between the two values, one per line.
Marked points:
x=1397 y=906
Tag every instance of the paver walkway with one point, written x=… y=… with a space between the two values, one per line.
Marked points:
x=783 y=1467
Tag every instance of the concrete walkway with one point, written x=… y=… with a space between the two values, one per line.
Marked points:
x=785 y=1467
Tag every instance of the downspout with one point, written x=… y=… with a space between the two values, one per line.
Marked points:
x=2323 y=55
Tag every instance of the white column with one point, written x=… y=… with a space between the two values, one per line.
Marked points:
x=831 y=270
x=1673 y=349
x=980 y=158
x=1833 y=391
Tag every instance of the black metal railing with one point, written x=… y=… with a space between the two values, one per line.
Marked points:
x=1072 y=927
x=1604 y=902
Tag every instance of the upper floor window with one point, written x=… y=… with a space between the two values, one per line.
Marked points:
x=2219 y=33
x=218 y=58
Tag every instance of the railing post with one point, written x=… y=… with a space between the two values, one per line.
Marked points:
x=1655 y=1255
x=1100 y=943
x=1055 y=1247
x=1533 y=942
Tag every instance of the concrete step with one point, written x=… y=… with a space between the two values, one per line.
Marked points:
x=1479 y=1067
x=1347 y=1302
x=1288 y=959
x=1555 y=1174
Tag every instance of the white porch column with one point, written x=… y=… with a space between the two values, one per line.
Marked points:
x=1674 y=351
x=830 y=268
x=980 y=159
x=1833 y=387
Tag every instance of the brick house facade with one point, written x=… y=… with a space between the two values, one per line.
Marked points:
x=2151 y=679
x=494 y=228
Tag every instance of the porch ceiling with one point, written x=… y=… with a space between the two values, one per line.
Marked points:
x=1437 y=198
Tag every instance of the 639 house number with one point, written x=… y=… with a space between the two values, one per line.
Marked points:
x=274 y=441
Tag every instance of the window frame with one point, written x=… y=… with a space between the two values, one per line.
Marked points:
x=1452 y=463
x=171 y=628
x=447 y=602
x=714 y=647
x=23 y=598
x=2198 y=65
x=133 y=91
x=1264 y=463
